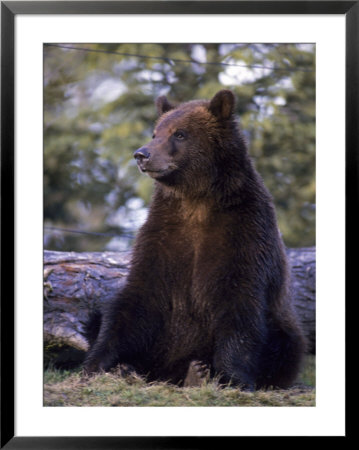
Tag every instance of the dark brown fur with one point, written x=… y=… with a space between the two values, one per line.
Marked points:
x=208 y=279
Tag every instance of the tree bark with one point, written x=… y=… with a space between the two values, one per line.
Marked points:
x=77 y=283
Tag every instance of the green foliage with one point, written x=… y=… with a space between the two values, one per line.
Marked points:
x=99 y=108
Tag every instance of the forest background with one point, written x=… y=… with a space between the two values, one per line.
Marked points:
x=99 y=108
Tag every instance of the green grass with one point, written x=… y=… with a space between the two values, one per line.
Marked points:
x=71 y=388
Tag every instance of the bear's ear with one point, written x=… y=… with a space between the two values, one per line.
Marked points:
x=163 y=105
x=222 y=104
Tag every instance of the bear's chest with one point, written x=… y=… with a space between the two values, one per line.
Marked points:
x=190 y=254
x=194 y=262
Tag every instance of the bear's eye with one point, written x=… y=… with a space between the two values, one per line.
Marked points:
x=153 y=136
x=179 y=134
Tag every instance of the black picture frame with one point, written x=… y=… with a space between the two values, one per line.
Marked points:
x=9 y=9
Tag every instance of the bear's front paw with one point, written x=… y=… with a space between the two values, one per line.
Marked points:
x=92 y=367
x=197 y=375
x=123 y=370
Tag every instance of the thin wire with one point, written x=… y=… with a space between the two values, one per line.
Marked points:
x=93 y=233
x=177 y=60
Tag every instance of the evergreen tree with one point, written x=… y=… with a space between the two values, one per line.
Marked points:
x=99 y=108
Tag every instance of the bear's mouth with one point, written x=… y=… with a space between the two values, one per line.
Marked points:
x=151 y=171
x=157 y=173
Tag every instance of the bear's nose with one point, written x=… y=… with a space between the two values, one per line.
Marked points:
x=141 y=153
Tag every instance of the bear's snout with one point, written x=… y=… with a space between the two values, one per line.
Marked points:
x=151 y=161
x=141 y=154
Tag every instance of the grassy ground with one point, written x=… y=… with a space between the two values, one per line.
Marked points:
x=70 y=388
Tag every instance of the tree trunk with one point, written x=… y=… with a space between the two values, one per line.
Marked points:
x=77 y=283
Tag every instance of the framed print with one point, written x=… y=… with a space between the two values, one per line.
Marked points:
x=45 y=45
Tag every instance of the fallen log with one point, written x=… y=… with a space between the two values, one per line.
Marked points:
x=77 y=283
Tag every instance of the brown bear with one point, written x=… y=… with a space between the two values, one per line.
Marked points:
x=209 y=280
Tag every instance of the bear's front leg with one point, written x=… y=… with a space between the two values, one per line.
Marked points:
x=235 y=365
x=126 y=334
x=238 y=348
x=104 y=353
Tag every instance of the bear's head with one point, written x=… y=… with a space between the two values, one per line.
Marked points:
x=186 y=139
